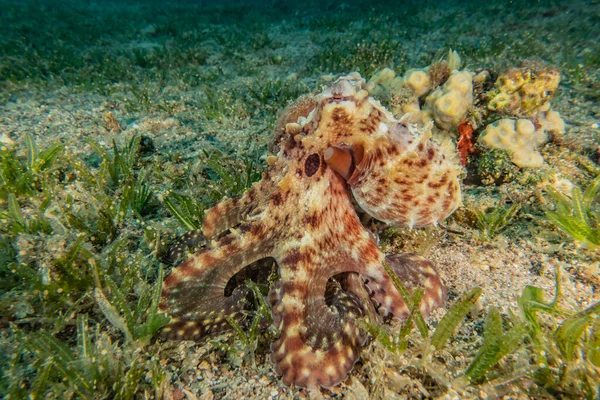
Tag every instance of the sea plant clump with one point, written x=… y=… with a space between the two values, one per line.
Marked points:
x=545 y=349
x=491 y=221
x=577 y=214
x=68 y=259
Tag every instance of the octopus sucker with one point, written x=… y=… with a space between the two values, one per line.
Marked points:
x=337 y=151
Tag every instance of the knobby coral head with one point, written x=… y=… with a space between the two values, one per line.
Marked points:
x=332 y=148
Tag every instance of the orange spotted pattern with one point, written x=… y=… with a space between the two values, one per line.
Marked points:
x=302 y=215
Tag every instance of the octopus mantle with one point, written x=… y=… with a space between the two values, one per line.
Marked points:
x=333 y=147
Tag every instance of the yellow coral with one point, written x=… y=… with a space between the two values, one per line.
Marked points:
x=383 y=77
x=449 y=108
x=418 y=81
x=552 y=122
x=451 y=102
x=384 y=82
x=524 y=92
x=519 y=138
x=512 y=80
x=413 y=114
x=461 y=81
x=503 y=101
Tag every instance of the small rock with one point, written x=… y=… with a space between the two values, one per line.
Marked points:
x=6 y=141
x=178 y=394
x=264 y=381
x=204 y=365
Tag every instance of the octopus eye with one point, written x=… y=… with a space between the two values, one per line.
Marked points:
x=312 y=164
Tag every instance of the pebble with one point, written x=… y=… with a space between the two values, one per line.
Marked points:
x=204 y=365
x=6 y=141
x=265 y=381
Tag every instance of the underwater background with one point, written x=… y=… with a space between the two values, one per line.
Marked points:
x=122 y=122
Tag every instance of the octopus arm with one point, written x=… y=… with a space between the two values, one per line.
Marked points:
x=231 y=212
x=379 y=283
x=319 y=344
x=415 y=271
x=191 y=242
x=194 y=293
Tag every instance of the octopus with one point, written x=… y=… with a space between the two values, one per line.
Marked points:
x=340 y=156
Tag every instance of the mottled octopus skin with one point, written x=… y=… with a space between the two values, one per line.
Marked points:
x=301 y=213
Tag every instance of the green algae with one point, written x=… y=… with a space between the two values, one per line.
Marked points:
x=491 y=222
x=576 y=214
x=565 y=350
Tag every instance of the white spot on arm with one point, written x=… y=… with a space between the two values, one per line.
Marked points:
x=383 y=128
